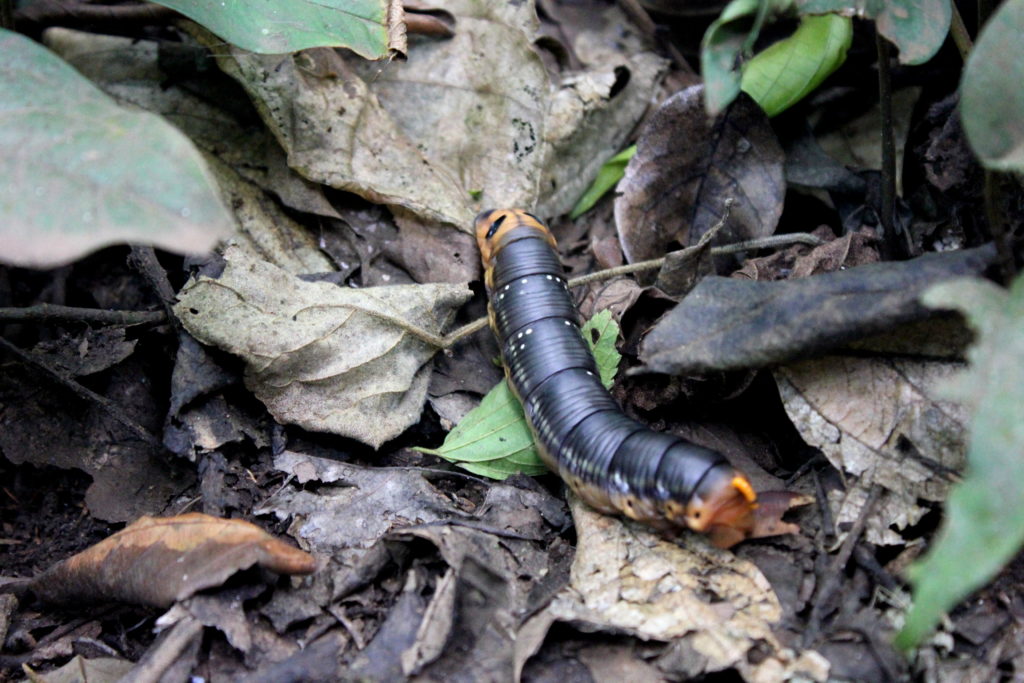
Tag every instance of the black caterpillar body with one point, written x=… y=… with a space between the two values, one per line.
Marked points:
x=611 y=461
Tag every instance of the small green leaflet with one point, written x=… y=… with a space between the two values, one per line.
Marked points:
x=782 y=74
x=785 y=72
x=493 y=440
x=607 y=178
x=984 y=525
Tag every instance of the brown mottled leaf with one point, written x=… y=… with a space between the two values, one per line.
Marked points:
x=159 y=560
x=687 y=165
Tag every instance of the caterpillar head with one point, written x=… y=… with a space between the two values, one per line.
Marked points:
x=722 y=506
x=496 y=227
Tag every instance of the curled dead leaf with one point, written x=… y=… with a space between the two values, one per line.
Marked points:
x=157 y=561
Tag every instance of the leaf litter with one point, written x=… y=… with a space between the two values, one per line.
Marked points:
x=452 y=565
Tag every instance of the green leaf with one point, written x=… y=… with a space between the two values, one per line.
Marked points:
x=721 y=50
x=992 y=99
x=601 y=331
x=281 y=26
x=788 y=70
x=607 y=178
x=917 y=27
x=493 y=440
x=984 y=524
x=80 y=172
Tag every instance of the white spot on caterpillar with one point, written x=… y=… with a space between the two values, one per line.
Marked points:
x=502 y=295
x=590 y=373
x=567 y=322
x=523 y=281
x=529 y=330
x=522 y=346
x=549 y=277
x=506 y=287
x=519 y=336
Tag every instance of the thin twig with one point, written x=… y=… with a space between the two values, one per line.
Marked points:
x=961 y=37
x=159 y=658
x=771 y=241
x=830 y=582
x=746 y=245
x=7 y=14
x=112 y=409
x=52 y=313
x=888 y=208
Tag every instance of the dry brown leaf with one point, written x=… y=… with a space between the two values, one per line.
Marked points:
x=676 y=191
x=878 y=421
x=82 y=670
x=319 y=355
x=626 y=578
x=159 y=560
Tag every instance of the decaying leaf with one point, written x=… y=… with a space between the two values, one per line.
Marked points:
x=361 y=150
x=677 y=192
x=328 y=358
x=711 y=603
x=82 y=670
x=880 y=422
x=727 y=324
x=442 y=140
x=984 y=513
x=157 y=561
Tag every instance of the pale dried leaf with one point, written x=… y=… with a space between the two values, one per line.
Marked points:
x=319 y=355
x=879 y=421
x=626 y=578
x=361 y=150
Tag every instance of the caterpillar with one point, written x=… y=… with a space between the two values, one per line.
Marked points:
x=612 y=462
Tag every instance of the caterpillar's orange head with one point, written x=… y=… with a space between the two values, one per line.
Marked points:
x=722 y=506
x=495 y=227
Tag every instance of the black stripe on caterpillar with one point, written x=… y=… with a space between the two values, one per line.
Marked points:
x=614 y=463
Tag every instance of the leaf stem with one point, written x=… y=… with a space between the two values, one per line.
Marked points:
x=888 y=207
x=961 y=37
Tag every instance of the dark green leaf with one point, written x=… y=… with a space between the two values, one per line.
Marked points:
x=992 y=101
x=81 y=172
x=720 y=53
x=280 y=26
x=984 y=525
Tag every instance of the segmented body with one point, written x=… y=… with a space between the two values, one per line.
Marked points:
x=613 y=462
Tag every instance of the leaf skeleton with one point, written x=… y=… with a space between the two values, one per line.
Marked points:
x=614 y=463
